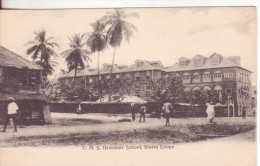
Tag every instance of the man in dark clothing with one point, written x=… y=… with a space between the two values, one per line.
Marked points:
x=142 y=113
x=133 y=110
x=244 y=113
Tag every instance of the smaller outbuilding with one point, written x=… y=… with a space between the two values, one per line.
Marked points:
x=20 y=79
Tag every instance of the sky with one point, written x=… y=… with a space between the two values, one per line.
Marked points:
x=164 y=34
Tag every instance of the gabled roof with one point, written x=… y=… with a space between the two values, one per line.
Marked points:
x=146 y=65
x=225 y=62
x=87 y=71
x=11 y=59
x=116 y=68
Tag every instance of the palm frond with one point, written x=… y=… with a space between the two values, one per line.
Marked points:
x=31 y=42
x=32 y=49
x=66 y=53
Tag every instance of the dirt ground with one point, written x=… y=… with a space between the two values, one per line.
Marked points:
x=72 y=129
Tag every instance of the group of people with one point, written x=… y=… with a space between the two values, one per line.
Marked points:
x=167 y=109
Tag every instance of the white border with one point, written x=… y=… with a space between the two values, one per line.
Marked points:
x=68 y=4
x=58 y=4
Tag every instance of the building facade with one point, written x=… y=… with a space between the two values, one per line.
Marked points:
x=218 y=74
x=224 y=76
x=21 y=79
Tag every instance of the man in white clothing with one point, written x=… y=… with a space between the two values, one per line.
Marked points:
x=167 y=107
x=12 y=109
x=210 y=111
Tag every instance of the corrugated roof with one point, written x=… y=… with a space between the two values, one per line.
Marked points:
x=225 y=62
x=11 y=59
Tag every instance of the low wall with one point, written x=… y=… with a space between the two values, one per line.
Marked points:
x=154 y=108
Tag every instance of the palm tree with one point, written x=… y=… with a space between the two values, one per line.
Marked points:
x=48 y=68
x=119 y=29
x=97 y=40
x=42 y=47
x=76 y=55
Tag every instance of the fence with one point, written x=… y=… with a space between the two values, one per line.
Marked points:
x=153 y=108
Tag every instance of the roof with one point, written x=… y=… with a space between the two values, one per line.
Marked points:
x=23 y=96
x=225 y=62
x=87 y=71
x=116 y=68
x=11 y=59
x=142 y=65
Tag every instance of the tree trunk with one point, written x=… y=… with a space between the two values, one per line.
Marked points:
x=99 y=89
x=74 y=81
x=113 y=61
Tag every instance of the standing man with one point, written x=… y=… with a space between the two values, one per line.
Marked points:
x=244 y=112
x=211 y=113
x=133 y=109
x=12 y=109
x=142 y=113
x=167 y=110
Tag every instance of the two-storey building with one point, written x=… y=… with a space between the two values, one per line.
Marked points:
x=21 y=79
x=223 y=76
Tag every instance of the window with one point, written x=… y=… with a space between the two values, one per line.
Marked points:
x=207 y=88
x=196 y=77
x=244 y=77
x=1 y=75
x=218 y=89
x=148 y=74
x=196 y=89
x=206 y=77
x=186 y=89
x=215 y=60
x=108 y=77
x=137 y=76
x=198 y=62
x=137 y=90
x=217 y=76
x=139 y=64
x=228 y=75
x=147 y=90
x=186 y=78
x=127 y=75
x=117 y=76
x=183 y=62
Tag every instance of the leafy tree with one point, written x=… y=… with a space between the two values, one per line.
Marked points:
x=42 y=50
x=169 y=87
x=119 y=29
x=76 y=55
x=117 y=88
x=97 y=40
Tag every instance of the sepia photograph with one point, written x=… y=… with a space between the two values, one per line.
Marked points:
x=117 y=84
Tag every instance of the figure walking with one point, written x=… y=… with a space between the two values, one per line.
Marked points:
x=78 y=109
x=211 y=113
x=142 y=113
x=12 y=109
x=167 y=107
x=244 y=113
